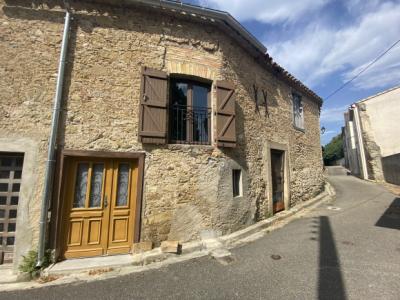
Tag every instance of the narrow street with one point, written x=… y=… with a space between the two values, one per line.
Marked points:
x=348 y=249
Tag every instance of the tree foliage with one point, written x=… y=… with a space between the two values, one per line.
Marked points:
x=333 y=150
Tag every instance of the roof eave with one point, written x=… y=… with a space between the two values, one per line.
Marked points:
x=207 y=12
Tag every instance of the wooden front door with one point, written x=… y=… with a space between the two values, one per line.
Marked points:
x=277 y=170
x=99 y=206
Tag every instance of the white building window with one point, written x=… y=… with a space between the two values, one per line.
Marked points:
x=298 y=113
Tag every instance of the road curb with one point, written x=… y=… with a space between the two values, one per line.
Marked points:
x=225 y=241
x=155 y=258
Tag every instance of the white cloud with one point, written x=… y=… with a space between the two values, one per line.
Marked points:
x=333 y=114
x=321 y=50
x=383 y=73
x=312 y=47
x=356 y=6
x=267 y=11
x=303 y=54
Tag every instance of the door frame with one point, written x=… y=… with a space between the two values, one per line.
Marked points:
x=57 y=209
x=286 y=174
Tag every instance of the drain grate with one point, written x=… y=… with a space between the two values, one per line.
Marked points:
x=276 y=256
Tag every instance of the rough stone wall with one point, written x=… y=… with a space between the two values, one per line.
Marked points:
x=372 y=149
x=187 y=189
x=29 y=51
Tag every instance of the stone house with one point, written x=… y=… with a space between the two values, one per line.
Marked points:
x=173 y=121
x=372 y=142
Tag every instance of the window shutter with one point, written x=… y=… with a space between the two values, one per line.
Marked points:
x=153 y=107
x=226 y=127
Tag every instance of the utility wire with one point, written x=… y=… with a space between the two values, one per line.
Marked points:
x=362 y=71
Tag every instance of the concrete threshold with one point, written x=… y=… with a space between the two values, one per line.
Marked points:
x=90 y=263
x=117 y=265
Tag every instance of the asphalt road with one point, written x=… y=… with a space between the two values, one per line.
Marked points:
x=350 y=252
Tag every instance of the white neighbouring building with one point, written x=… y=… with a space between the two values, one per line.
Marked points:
x=372 y=137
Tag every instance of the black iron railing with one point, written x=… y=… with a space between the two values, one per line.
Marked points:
x=190 y=124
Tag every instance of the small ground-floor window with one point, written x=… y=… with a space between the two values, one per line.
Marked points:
x=237 y=182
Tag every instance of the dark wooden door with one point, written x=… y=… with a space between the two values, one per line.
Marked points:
x=277 y=170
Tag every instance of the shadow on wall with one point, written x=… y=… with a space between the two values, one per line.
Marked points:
x=330 y=279
x=391 y=168
x=391 y=217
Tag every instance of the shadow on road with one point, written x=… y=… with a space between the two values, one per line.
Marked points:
x=330 y=280
x=391 y=217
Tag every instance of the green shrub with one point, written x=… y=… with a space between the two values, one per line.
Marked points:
x=28 y=264
x=333 y=150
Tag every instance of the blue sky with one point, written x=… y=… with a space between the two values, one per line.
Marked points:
x=324 y=43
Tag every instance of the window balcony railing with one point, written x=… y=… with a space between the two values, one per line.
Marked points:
x=190 y=124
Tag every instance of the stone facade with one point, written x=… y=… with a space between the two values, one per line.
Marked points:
x=187 y=188
x=372 y=149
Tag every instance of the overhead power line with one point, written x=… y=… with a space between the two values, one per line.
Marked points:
x=362 y=71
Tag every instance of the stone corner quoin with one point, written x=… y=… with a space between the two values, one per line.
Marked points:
x=174 y=191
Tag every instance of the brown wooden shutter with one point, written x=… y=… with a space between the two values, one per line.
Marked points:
x=226 y=127
x=153 y=107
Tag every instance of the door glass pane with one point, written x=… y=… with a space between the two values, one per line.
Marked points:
x=200 y=96
x=3 y=187
x=16 y=187
x=200 y=113
x=19 y=161
x=178 y=110
x=12 y=214
x=123 y=185
x=4 y=174
x=96 y=186
x=11 y=227
x=6 y=162
x=81 y=185
x=14 y=200
x=17 y=174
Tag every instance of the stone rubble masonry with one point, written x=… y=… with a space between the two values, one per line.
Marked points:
x=372 y=149
x=187 y=189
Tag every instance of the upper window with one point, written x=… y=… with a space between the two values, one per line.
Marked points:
x=177 y=110
x=298 y=113
x=189 y=116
